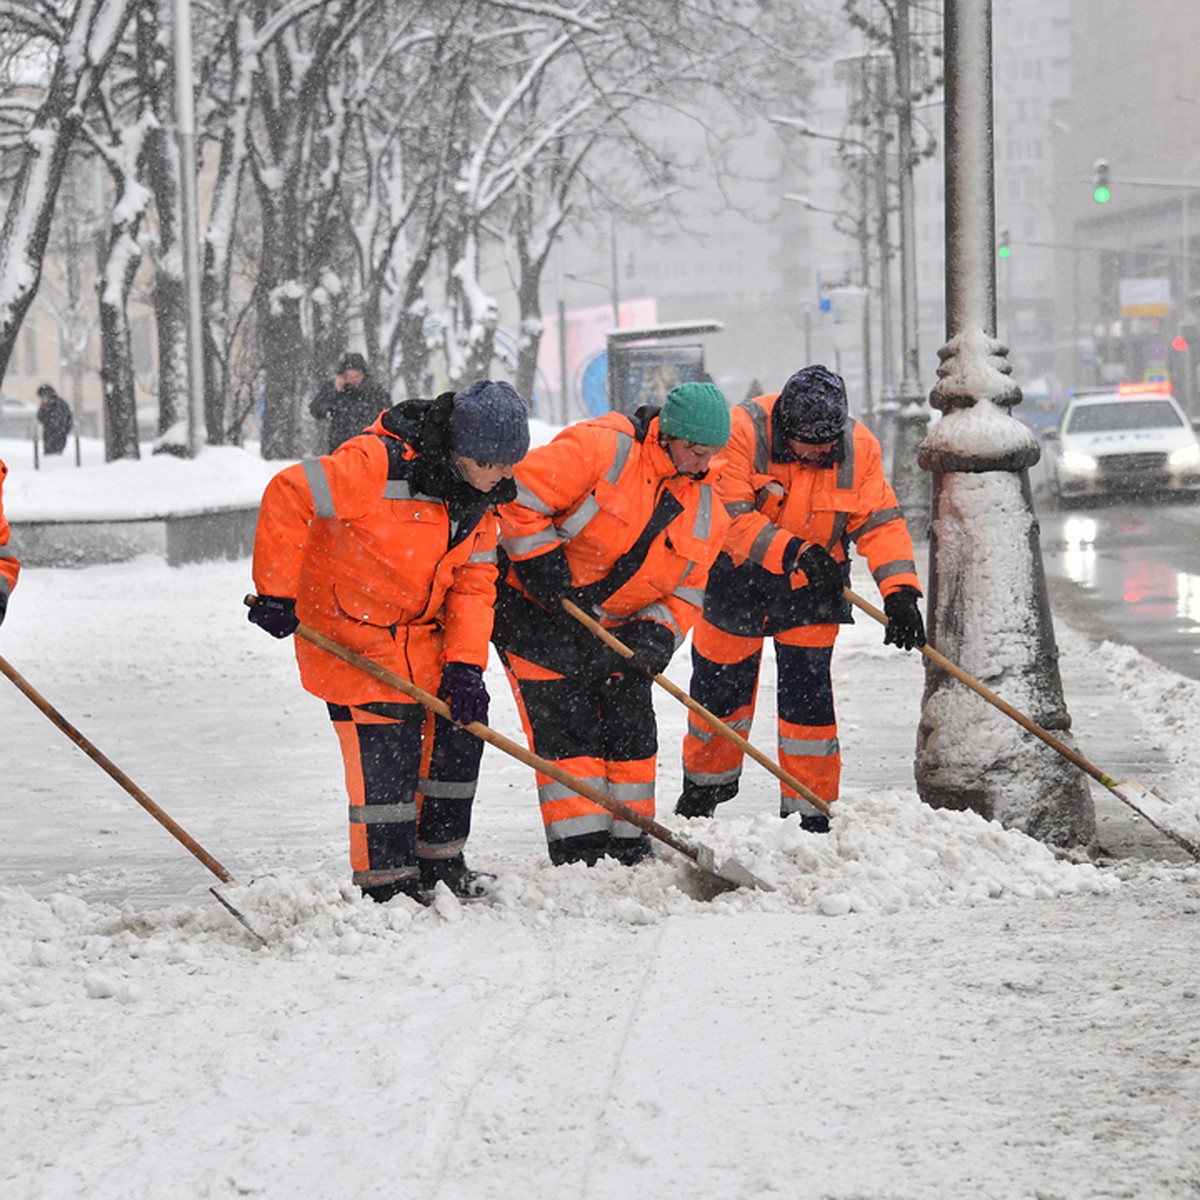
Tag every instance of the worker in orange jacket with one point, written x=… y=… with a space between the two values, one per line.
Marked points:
x=619 y=515
x=388 y=546
x=802 y=481
x=10 y=566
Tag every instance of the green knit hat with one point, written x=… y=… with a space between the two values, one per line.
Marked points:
x=696 y=412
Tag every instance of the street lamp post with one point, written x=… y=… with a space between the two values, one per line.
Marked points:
x=912 y=420
x=987 y=603
x=866 y=162
x=863 y=240
x=185 y=120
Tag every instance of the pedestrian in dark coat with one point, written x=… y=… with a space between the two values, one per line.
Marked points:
x=54 y=413
x=352 y=400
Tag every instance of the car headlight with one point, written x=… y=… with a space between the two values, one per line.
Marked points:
x=1185 y=456
x=1077 y=461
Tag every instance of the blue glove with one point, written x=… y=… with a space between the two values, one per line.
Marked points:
x=275 y=614
x=462 y=688
x=905 y=629
x=653 y=646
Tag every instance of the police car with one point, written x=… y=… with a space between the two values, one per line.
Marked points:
x=1134 y=439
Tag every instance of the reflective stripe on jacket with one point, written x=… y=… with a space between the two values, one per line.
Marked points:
x=593 y=490
x=10 y=566
x=375 y=567
x=772 y=498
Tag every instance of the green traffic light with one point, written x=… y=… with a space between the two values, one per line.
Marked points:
x=1003 y=252
x=1102 y=195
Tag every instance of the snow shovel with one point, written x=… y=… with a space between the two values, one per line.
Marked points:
x=730 y=870
x=1144 y=802
x=715 y=722
x=102 y=760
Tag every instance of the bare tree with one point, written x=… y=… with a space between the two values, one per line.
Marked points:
x=81 y=40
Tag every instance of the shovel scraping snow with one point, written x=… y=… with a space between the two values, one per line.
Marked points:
x=1144 y=802
x=105 y=763
x=730 y=870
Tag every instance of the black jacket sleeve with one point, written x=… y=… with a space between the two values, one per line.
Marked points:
x=324 y=401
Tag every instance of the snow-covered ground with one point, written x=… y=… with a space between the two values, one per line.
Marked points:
x=926 y=1006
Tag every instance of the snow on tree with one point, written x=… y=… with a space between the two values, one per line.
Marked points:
x=78 y=41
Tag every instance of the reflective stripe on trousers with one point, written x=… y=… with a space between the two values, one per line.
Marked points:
x=725 y=674
x=601 y=730
x=411 y=781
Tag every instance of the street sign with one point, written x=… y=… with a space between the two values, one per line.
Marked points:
x=1145 y=297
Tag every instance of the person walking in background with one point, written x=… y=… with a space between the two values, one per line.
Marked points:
x=802 y=481
x=388 y=546
x=619 y=515
x=10 y=566
x=351 y=400
x=54 y=414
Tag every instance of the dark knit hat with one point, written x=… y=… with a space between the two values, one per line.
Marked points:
x=489 y=423
x=812 y=405
x=352 y=362
x=696 y=412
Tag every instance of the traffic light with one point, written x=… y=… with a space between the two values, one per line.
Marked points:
x=1100 y=189
x=1002 y=250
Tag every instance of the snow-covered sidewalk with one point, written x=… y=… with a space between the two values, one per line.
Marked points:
x=926 y=1007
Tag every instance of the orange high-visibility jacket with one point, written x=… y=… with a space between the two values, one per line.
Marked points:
x=377 y=567
x=593 y=490
x=773 y=498
x=10 y=566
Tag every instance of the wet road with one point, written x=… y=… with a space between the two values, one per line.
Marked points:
x=1129 y=571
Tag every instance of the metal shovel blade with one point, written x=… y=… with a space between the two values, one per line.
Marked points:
x=238 y=916
x=1155 y=810
x=730 y=870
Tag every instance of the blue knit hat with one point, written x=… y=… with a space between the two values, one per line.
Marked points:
x=812 y=405
x=696 y=412
x=489 y=423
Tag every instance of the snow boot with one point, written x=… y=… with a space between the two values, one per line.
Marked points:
x=457 y=876
x=586 y=848
x=814 y=822
x=701 y=800
x=631 y=851
x=381 y=893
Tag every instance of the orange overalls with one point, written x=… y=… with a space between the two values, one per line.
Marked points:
x=408 y=580
x=639 y=539
x=772 y=498
x=10 y=566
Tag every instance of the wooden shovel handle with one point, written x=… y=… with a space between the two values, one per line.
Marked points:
x=175 y=830
x=991 y=697
x=487 y=734
x=614 y=643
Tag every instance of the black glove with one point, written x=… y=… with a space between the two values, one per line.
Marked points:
x=905 y=628
x=823 y=571
x=275 y=614
x=653 y=646
x=462 y=687
x=547 y=578
x=3 y=606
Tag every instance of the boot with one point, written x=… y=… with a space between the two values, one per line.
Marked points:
x=631 y=851
x=701 y=800
x=457 y=876
x=586 y=848
x=381 y=893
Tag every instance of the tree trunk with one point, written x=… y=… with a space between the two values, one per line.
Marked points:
x=87 y=48
x=161 y=166
x=116 y=345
